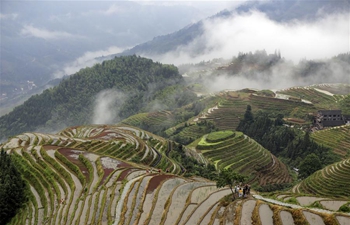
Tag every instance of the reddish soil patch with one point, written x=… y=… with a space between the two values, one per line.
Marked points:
x=155 y=181
x=107 y=172
x=124 y=174
x=109 y=169
x=72 y=156
x=50 y=147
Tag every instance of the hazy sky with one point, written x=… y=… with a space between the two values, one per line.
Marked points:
x=319 y=39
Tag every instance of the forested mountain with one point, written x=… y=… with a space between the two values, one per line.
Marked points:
x=106 y=92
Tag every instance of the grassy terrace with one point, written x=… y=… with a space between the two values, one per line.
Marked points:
x=338 y=139
x=233 y=149
x=318 y=98
x=286 y=107
x=156 y=120
x=332 y=180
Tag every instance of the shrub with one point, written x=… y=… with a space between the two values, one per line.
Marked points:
x=344 y=208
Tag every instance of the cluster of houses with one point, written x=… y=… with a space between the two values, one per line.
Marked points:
x=330 y=118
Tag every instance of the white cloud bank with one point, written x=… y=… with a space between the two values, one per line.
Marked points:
x=224 y=38
x=86 y=60
x=29 y=30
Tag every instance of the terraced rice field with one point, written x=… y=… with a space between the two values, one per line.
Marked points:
x=288 y=108
x=332 y=180
x=336 y=89
x=318 y=97
x=124 y=142
x=75 y=186
x=337 y=138
x=154 y=120
x=75 y=178
x=228 y=112
x=245 y=156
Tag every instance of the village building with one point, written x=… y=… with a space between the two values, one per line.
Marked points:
x=330 y=118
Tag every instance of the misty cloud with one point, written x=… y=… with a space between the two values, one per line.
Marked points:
x=107 y=105
x=29 y=30
x=112 y=10
x=225 y=37
x=86 y=60
x=11 y=16
x=284 y=74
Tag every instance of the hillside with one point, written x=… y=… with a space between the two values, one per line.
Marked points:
x=331 y=181
x=235 y=150
x=75 y=177
x=338 y=139
x=104 y=93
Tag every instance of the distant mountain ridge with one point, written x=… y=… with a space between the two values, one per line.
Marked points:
x=280 y=11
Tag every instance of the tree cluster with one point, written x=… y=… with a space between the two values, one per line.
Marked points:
x=293 y=145
x=13 y=189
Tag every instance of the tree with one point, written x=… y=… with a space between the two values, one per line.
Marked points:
x=229 y=177
x=247 y=120
x=309 y=165
x=12 y=188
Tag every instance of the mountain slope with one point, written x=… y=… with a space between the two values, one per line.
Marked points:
x=228 y=149
x=104 y=93
x=332 y=180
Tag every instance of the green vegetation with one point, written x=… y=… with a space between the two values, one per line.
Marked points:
x=219 y=136
x=283 y=141
x=337 y=139
x=332 y=180
x=229 y=177
x=191 y=165
x=248 y=158
x=13 y=189
x=345 y=105
x=138 y=83
x=344 y=208
x=309 y=165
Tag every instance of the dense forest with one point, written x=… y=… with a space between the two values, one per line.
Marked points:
x=140 y=82
x=13 y=189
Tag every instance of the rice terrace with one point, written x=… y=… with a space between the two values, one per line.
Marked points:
x=175 y=112
x=89 y=175
x=169 y=166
